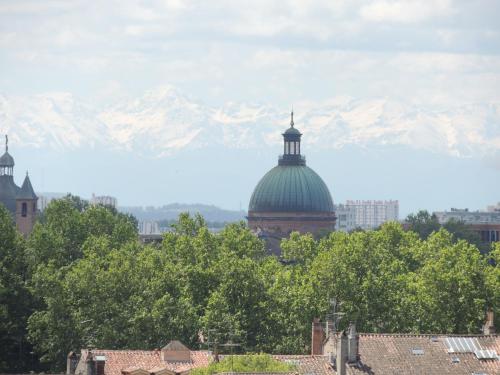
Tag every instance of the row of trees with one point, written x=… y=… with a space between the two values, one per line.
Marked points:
x=82 y=279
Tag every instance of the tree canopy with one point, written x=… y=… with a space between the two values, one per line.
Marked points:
x=256 y=363
x=86 y=280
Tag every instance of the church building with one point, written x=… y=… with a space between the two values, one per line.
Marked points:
x=21 y=202
x=290 y=197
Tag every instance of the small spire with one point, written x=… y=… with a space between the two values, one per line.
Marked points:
x=6 y=143
x=291 y=120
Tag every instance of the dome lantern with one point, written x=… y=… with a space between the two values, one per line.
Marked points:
x=291 y=146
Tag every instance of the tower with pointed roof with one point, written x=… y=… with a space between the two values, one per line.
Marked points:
x=290 y=197
x=21 y=202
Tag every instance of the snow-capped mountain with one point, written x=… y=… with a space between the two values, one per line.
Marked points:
x=164 y=121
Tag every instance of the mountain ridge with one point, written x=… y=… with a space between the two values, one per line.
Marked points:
x=164 y=121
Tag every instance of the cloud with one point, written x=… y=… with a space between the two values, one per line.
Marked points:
x=405 y=11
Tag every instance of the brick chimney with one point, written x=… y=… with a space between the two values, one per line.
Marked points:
x=71 y=363
x=489 y=324
x=352 y=344
x=100 y=362
x=342 y=354
x=90 y=364
x=176 y=351
x=317 y=337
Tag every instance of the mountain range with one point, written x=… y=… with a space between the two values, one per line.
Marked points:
x=167 y=147
x=164 y=121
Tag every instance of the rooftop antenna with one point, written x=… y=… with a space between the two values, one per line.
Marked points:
x=213 y=341
x=88 y=334
x=231 y=344
x=336 y=314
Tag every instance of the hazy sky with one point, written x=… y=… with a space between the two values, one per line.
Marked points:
x=431 y=55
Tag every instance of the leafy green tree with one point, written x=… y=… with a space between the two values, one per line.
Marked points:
x=422 y=223
x=54 y=250
x=493 y=282
x=256 y=363
x=461 y=231
x=16 y=303
x=95 y=284
x=447 y=292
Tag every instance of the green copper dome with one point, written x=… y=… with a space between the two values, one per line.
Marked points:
x=291 y=188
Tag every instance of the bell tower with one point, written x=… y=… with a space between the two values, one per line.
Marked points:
x=26 y=207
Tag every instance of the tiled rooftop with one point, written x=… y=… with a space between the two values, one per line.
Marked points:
x=421 y=354
x=380 y=354
x=126 y=361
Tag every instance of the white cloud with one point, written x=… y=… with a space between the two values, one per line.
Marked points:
x=405 y=11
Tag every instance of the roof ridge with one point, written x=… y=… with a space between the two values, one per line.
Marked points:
x=429 y=334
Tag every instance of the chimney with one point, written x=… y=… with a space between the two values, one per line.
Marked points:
x=175 y=351
x=353 y=344
x=342 y=352
x=100 y=361
x=489 y=324
x=90 y=364
x=71 y=363
x=330 y=331
x=318 y=336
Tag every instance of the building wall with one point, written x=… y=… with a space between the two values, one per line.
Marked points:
x=368 y=214
x=485 y=223
x=104 y=200
x=286 y=222
x=25 y=223
x=149 y=227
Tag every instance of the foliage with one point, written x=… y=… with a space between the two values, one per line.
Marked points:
x=424 y=224
x=256 y=363
x=83 y=279
x=16 y=303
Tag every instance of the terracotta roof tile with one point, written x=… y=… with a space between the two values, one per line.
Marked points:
x=308 y=364
x=380 y=354
x=118 y=361
x=393 y=354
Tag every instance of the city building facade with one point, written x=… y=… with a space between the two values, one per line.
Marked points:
x=365 y=214
x=103 y=200
x=290 y=197
x=21 y=202
x=485 y=223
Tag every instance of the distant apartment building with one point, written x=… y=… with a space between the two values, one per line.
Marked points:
x=346 y=221
x=149 y=227
x=368 y=214
x=485 y=223
x=494 y=208
x=104 y=200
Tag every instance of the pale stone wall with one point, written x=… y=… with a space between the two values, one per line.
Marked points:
x=25 y=223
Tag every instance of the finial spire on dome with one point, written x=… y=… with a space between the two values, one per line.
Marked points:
x=6 y=143
x=291 y=120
